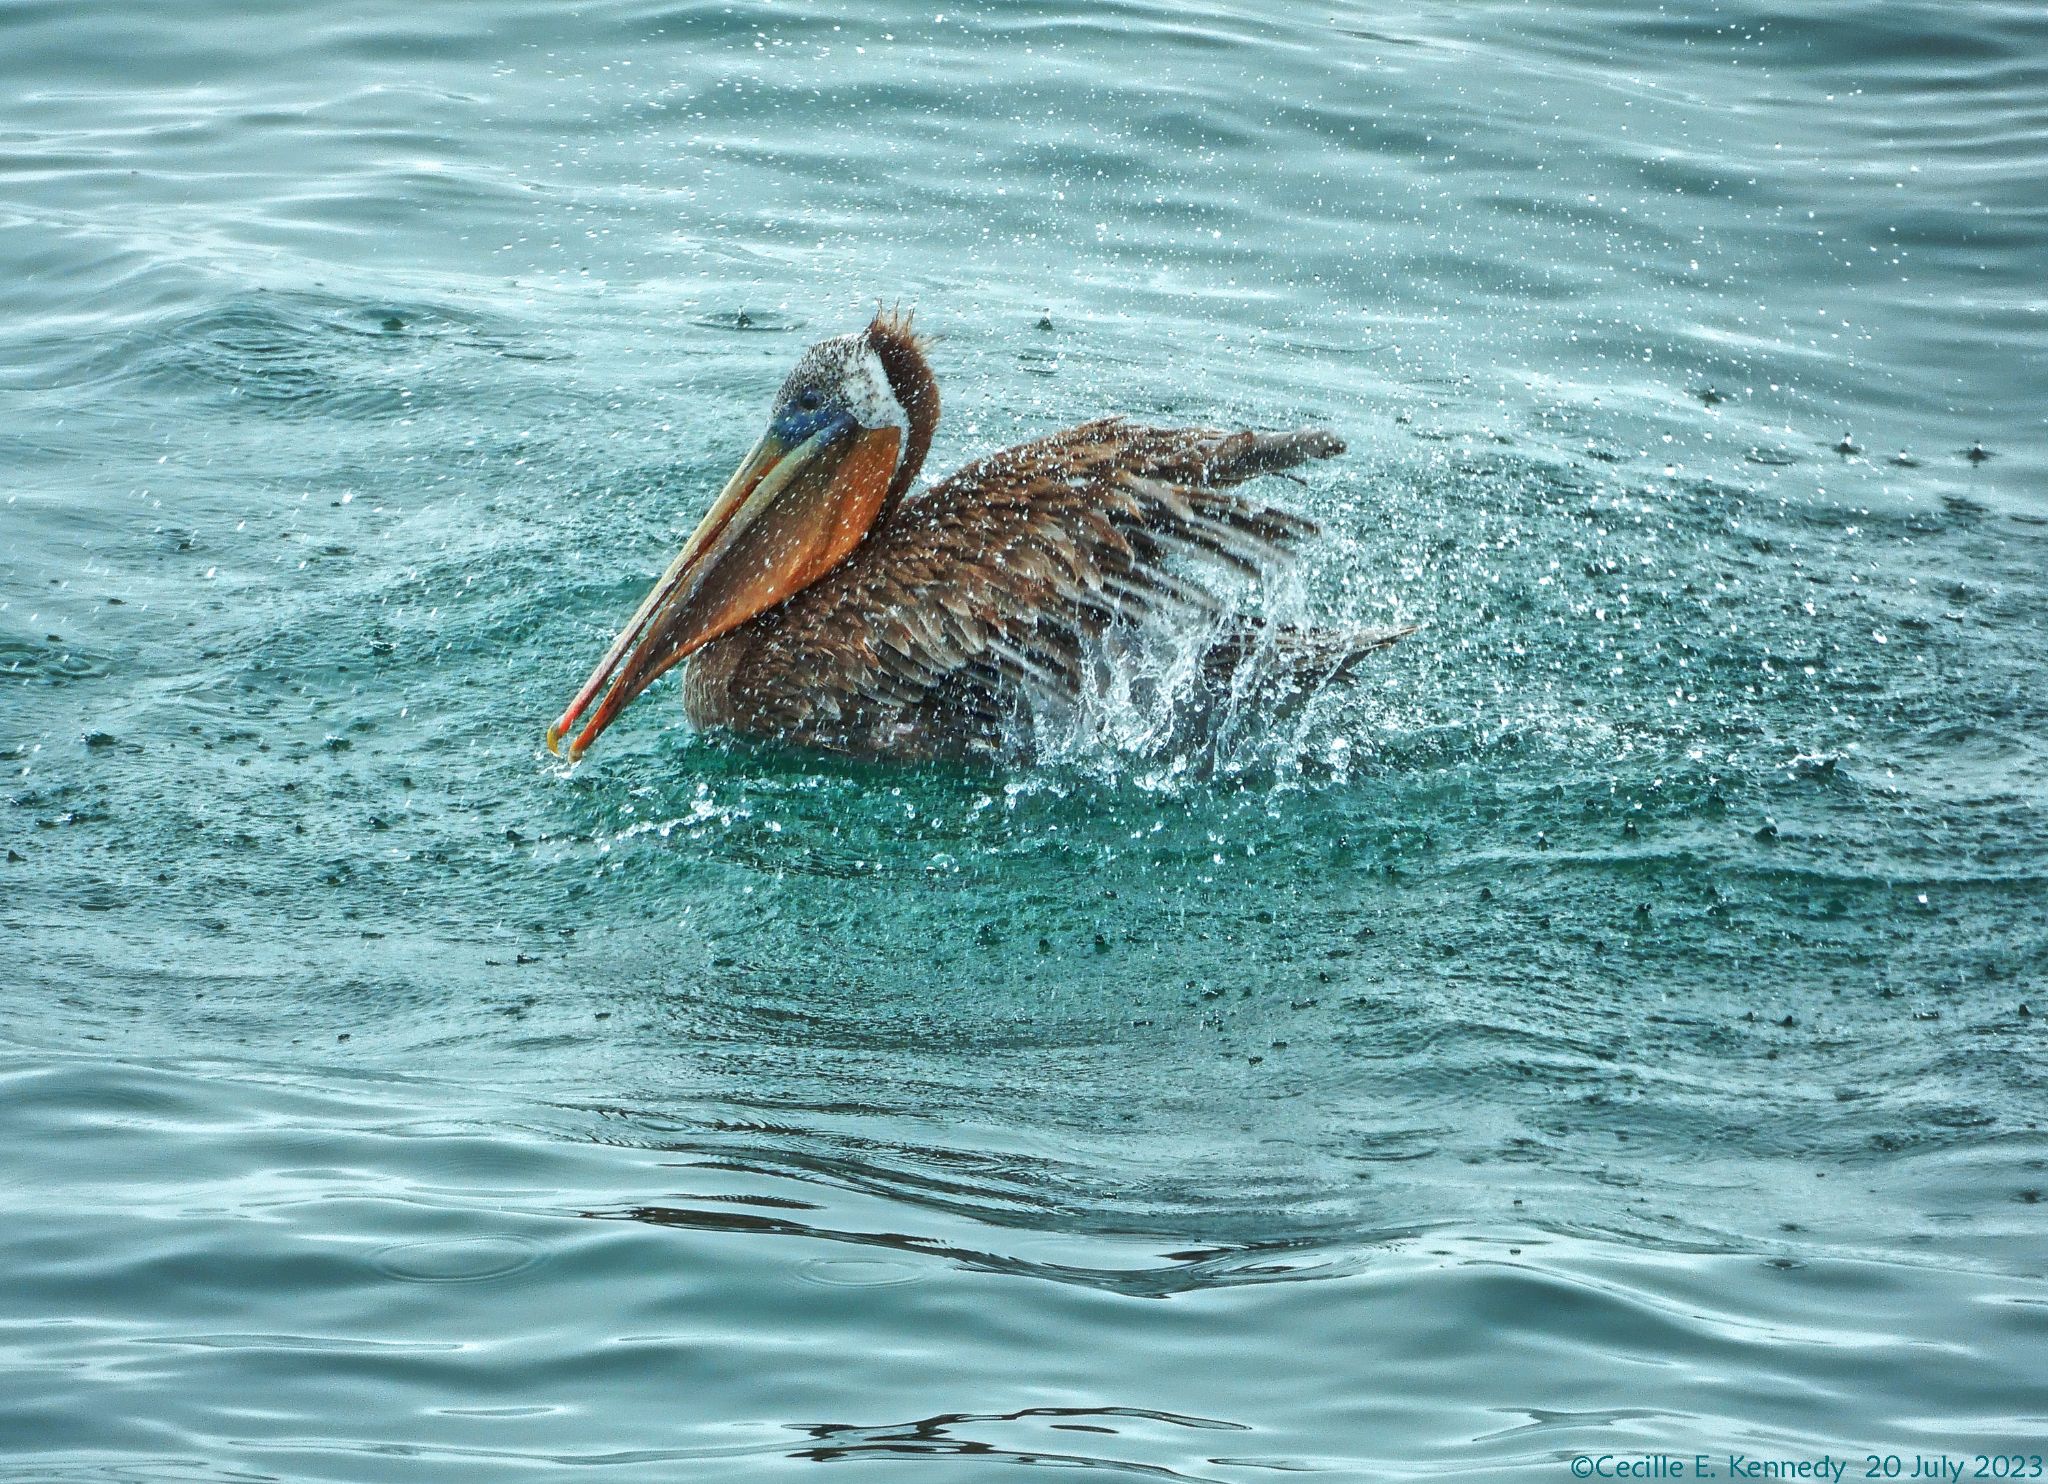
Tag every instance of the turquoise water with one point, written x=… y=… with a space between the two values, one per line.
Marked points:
x=1614 y=1028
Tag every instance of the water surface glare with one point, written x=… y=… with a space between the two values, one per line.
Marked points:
x=1615 y=1028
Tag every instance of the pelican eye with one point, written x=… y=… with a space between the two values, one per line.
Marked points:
x=810 y=399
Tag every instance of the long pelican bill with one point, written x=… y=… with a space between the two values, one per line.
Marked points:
x=785 y=518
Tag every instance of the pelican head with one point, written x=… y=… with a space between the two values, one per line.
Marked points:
x=845 y=437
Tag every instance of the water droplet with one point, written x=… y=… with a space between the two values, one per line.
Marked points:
x=858 y=1272
x=457 y=1260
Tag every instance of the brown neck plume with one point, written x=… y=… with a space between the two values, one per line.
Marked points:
x=901 y=352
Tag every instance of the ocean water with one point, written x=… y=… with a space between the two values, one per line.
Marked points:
x=1613 y=1028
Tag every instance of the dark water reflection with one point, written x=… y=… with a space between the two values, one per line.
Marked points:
x=397 y=1244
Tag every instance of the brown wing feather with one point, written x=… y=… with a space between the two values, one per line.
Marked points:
x=992 y=584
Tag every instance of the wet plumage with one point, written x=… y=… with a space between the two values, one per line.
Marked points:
x=957 y=606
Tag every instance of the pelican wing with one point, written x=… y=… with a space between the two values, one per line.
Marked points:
x=991 y=584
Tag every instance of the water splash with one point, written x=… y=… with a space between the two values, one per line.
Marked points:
x=1226 y=697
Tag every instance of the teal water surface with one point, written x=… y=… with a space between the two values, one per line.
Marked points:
x=1612 y=1028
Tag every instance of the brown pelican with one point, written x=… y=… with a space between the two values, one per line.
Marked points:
x=816 y=604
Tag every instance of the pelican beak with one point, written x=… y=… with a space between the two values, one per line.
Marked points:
x=789 y=515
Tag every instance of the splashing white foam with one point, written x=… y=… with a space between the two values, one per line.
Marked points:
x=1157 y=710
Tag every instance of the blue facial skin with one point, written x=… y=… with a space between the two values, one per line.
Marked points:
x=805 y=415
